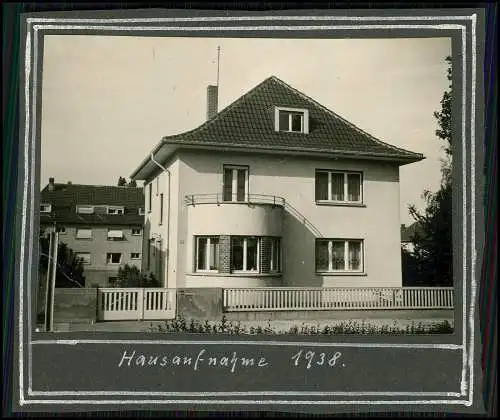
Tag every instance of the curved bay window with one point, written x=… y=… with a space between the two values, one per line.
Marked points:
x=237 y=254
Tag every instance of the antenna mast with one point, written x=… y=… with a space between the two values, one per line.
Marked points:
x=218 y=60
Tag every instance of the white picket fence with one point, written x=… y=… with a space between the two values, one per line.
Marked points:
x=323 y=298
x=115 y=304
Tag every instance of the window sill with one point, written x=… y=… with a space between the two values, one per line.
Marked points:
x=341 y=273
x=84 y=239
x=339 y=203
x=217 y=274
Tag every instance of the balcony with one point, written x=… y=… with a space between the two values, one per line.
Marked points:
x=252 y=199
x=259 y=215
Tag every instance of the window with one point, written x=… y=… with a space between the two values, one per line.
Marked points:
x=45 y=208
x=150 y=197
x=292 y=120
x=339 y=255
x=115 y=235
x=85 y=209
x=84 y=233
x=141 y=211
x=84 y=256
x=136 y=231
x=115 y=210
x=207 y=253
x=161 y=209
x=61 y=229
x=244 y=254
x=275 y=260
x=135 y=256
x=113 y=258
x=235 y=183
x=338 y=186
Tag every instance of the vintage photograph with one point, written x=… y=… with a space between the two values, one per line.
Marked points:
x=245 y=185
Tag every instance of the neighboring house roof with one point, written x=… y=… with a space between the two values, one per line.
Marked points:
x=65 y=197
x=248 y=123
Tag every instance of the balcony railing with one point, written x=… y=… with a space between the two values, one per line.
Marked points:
x=194 y=199
x=325 y=298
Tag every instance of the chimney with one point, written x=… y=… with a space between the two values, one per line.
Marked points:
x=51 y=184
x=212 y=101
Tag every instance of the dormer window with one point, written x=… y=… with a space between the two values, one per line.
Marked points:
x=115 y=210
x=292 y=120
x=45 y=208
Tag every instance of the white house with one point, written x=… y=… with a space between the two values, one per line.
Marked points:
x=274 y=190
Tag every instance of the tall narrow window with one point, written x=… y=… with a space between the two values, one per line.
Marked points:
x=275 y=262
x=339 y=255
x=340 y=187
x=207 y=253
x=150 y=197
x=235 y=183
x=161 y=208
x=245 y=254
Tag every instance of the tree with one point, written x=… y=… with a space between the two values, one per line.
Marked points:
x=431 y=262
x=122 y=182
x=69 y=268
x=131 y=276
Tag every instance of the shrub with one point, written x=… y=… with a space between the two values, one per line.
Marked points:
x=179 y=324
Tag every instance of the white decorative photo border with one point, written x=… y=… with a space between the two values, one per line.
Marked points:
x=328 y=23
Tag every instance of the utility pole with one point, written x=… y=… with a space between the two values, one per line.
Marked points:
x=51 y=281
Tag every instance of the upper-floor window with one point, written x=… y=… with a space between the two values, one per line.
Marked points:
x=235 y=183
x=135 y=256
x=292 y=120
x=339 y=255
x=84 y=209
x=115 y=234
x=45 y=208
x=84 y=233
x=113 y=258
x=343 y=187
x=115 y=210
x=136 y=231
x=83 y=256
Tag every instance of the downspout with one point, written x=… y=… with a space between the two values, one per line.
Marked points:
x=168 y=216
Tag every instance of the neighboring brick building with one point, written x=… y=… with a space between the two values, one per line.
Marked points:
x=274 y=190
x=103 y=225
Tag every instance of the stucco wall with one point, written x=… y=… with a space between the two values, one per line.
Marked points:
x=163 y=233
x=377 y=223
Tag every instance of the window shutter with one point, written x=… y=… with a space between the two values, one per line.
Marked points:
x=265 y=255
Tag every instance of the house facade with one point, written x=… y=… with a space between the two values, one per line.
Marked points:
x=103 y=225
x=274 y=190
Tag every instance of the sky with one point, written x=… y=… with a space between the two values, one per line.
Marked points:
x=108 y=100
